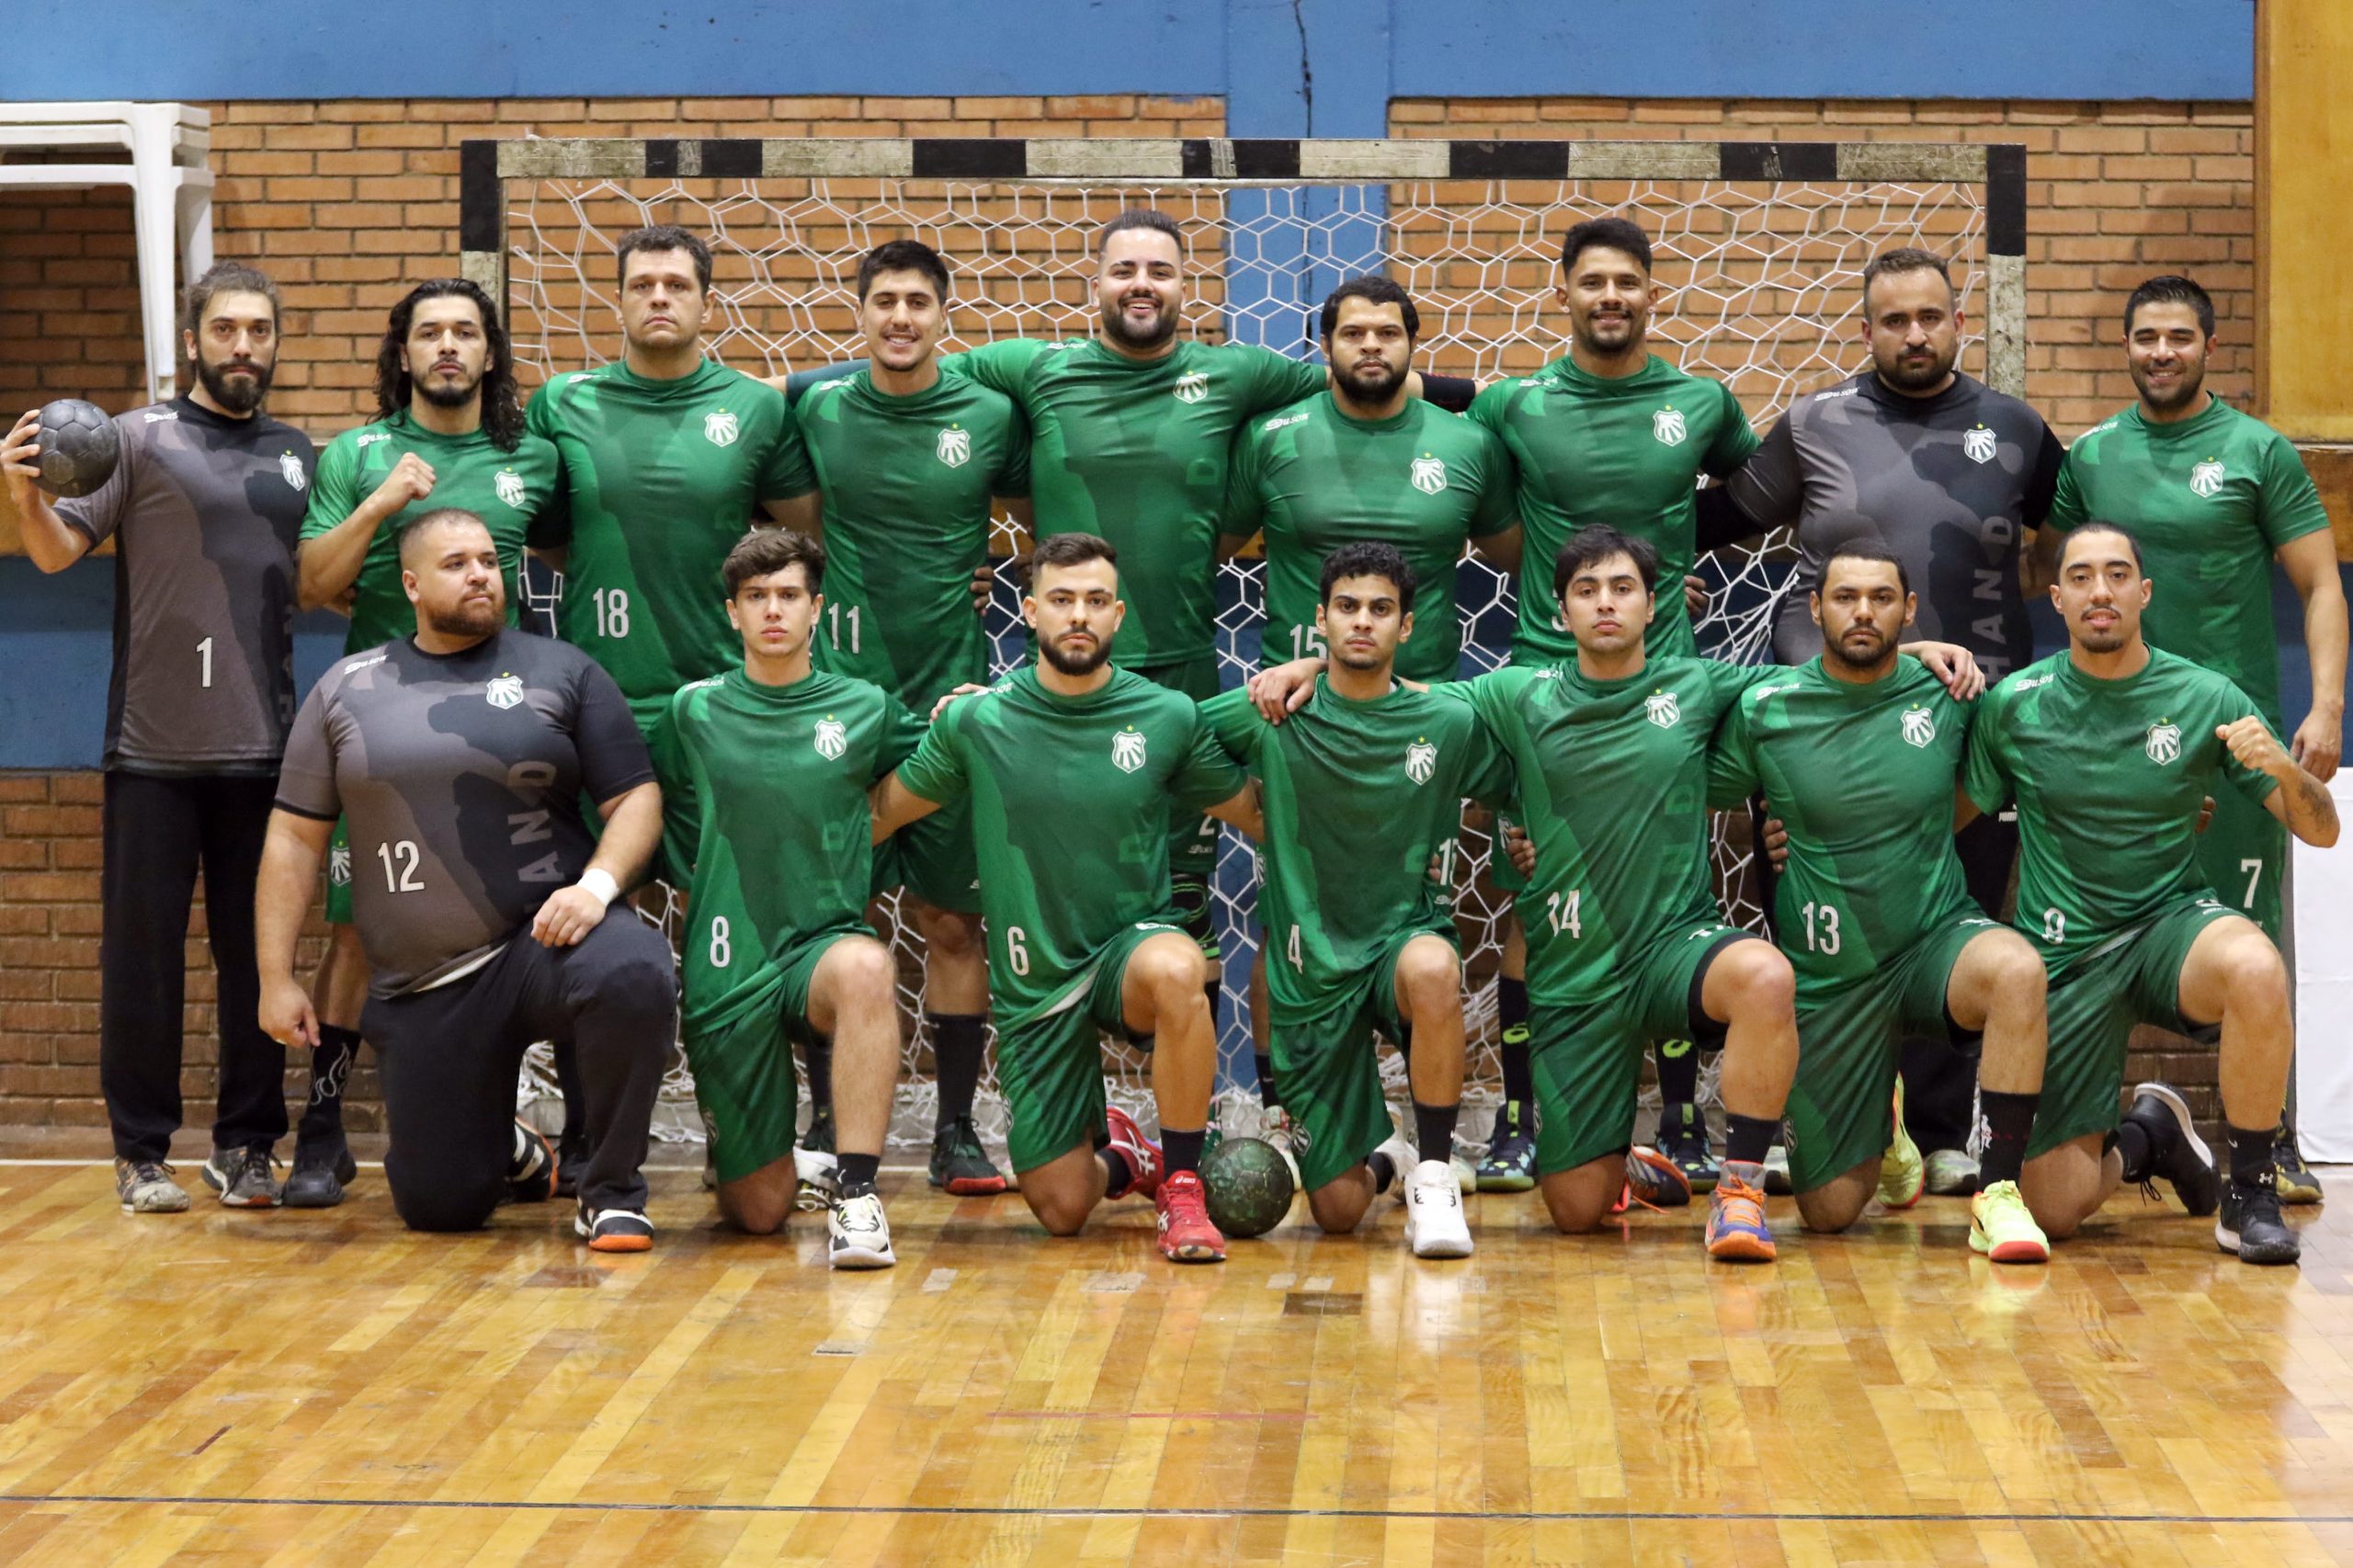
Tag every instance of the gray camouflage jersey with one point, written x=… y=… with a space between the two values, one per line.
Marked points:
x=1951 y=481
x=204 y=511
x=461 y=776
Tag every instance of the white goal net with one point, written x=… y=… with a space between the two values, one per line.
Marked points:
x=1762 y=279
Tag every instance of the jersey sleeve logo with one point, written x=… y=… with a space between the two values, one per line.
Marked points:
x=503 y=692
x=832 y=740
x=509 y=486
x=339 y=865
x=1978 y=443
x=1664 y=712
x=1429 y=474
x=1192 y=386
x=719 y=427
x=955 y=447
x=291 y=468
x=1421 y=761
x=2206 y=479
x=1667 y=427
x=1127 y=749
x=2165 y=741
x=1919 y=726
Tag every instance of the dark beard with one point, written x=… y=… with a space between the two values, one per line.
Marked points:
x=463 y=622
x=237 y=397
x=1115 y=324
x=1356 y=394
x=1837 y=649
x=2183 y=395
x=1920 y=381
x=1075 y=663
x=442 y=395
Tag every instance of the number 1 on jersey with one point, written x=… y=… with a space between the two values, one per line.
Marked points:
x=204 y=663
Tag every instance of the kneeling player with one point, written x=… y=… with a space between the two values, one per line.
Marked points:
x=1858 y=752
x=765 y=773
x=1073 y=766
x=459 y=756
x=1360 y=788
x=2109 y=749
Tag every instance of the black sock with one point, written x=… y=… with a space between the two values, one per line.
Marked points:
x=1268 y=1095
x=1116 y=1166
x=1214 y=993
x=1383 y=1171
x=331 y=1063
x=1746 y=1138
x=958 y=1041
x=1434 y=1129
x=1181 y=1151
x=2009 y=1119
x=2251 y=1160
x=857 y=1174
x=818 y=1055
x=2133 y=1142
x=1511 y=1012
x=1679 y=1072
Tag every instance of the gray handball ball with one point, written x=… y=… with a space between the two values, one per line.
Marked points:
x=79 y=446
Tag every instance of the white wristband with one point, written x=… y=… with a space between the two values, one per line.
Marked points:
x=601 y=882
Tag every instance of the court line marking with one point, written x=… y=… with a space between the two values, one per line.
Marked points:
x=101 y=1164
x=1611 y=1515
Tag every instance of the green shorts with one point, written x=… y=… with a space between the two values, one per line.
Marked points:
x=1192 y=838
x=1050 y=1066
x=1849 y=1043
x=933 y=859
x=2243 y=855
x=2134 y=977
x=1587 y=1059
x=339 y=874
x=743 y=1065
x=1330 y=1073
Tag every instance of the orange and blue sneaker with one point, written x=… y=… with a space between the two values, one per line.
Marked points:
x=1142 y=1157
x=1187 y=1232
x=1736 y=1229
x=1654 y=1181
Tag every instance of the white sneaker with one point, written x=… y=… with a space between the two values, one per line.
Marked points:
x=818 y=1178
x=1435 y=1226
x=1283 y=1133
x=1402 y=1159
x=859 y=1235
x=1952 y=1173
x=1466 y=1173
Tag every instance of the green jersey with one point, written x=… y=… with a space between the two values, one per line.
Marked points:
x=662 y=478
x=907 y=483
x=1613 y=787
x=1136 y=451
x=1315 y=480
x=1358 y=796
x=1071 y=799
x=766 y=880
x=510 y=491
x=2210 y=499
x=2108 y=777
x=1863 y=777
x=1627 y=451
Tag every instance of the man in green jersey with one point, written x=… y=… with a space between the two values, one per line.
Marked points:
x=668 y=456
x=447 y=432
x=2215 y=497
x=909 y=462
x=1858 y=753
x=1072 y=767
x=1360 y=788
x=2107 y=750
x=765 y=773
x=1610 y=433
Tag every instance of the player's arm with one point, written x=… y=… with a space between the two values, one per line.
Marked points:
x=2038 y=561
x=327 y=563
x=1495 y=514
x=2301 y=803
x=2310 y=562
x=802 y=514
x=1243 y=810
x=894 y=805
x=1950 y=663
x=1764 y=493
x=632 y=830
x=1279 y=690
x=291 y=853
x=1500 y=549
x=52 y=542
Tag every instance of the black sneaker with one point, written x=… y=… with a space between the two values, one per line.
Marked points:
x=2297 y=1183
x=1683 y=1139
x=959 y=1163
x=321 y=1171
x=241 y=1177
x=2176 y=1151
x=2250 y=1225
x=531 y=1165
x=614 y=1229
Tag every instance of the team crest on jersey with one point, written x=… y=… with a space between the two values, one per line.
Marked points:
x=2164 y=743
x=1977 y=443
x=719 y=427
x=1664 y=712
x=505 y=692
x=1429 y=474
x=1192 y=387
x=1919 y=726
x=509 y=486
x=955 y=447
x=1127 y=749
x=1668 y=426
x=1421 y=761
x=2206 y=479
x=832 y=739
x=339 y=866
x=291 y=467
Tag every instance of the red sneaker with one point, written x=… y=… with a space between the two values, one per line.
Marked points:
x=1141 y=1153
x=1186 y=1234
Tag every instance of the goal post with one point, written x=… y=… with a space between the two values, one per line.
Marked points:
x=1759 y=245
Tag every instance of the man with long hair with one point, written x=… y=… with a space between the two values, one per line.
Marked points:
x=447 y=432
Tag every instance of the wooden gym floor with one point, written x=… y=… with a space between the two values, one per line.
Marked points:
x=323 y=1388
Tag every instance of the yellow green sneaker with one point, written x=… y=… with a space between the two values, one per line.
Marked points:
x=1903 y=1174
x=2001 y=1227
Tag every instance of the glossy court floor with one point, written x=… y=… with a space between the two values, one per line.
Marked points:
x=323 y=1388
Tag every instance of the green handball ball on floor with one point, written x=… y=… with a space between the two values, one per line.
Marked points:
x=1247 y=1184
